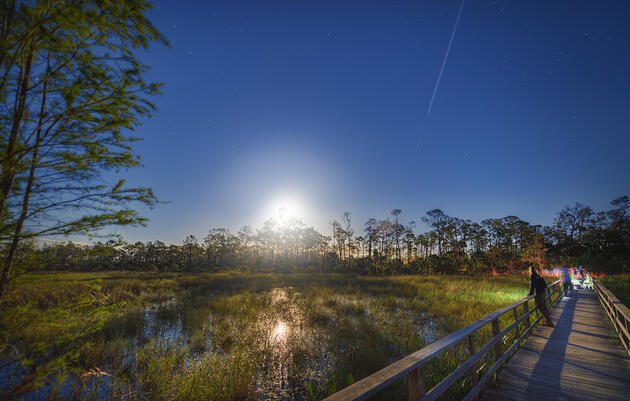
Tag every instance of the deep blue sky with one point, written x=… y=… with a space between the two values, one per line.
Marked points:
x=326 y=103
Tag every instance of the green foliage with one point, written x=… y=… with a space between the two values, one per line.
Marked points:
x=87 y=87
x=70 y=73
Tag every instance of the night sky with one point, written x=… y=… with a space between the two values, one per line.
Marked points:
x=325 y=104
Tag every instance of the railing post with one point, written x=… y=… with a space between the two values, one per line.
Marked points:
x=498 y=348
x=627 y=328
x=518 y=331
x=626 y=340
x=559 y=291
x=416 y=383
x=528 y=321
x=620 y=326
x=471 y=352
x=547 y=297
x=617 y=321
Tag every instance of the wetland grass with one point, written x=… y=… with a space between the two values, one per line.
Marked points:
x=123 y=335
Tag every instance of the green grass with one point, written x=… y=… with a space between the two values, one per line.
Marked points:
x=619 y=284
x=235 y=336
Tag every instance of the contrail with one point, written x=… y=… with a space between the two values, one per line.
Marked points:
x=448 y=50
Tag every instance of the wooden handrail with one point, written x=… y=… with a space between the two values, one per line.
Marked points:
x=413 y=364
x=617 y=312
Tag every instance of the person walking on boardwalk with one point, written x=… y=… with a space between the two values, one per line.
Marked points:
x=538 y=286
x=567 y=286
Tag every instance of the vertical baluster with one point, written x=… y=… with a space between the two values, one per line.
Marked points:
x=416 y=383
x=515 y=319
x=618 y=325
x=525 y=311
x=473 y=370
x=498 y=348
x=627 y=329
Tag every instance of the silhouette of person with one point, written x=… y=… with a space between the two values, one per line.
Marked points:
x=567 y=286
x=538 y=286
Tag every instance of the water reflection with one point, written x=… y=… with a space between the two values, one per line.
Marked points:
x=301 y=342
x=280 y=332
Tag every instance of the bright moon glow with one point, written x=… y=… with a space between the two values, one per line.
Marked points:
x=283 y=208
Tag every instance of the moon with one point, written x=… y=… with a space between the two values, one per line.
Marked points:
x=284 y=207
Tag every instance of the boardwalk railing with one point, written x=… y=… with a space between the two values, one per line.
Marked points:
x=618 y=313
x=413 y=365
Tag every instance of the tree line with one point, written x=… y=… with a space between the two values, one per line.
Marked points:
x=578 y=236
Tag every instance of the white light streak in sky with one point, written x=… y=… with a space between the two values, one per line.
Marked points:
x=448 y=50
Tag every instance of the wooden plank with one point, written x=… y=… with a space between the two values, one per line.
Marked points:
x=574 y=376
x=575 y=360
x=521 y=381
x=528 y=389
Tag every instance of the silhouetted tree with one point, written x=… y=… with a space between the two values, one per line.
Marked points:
x=370 y=228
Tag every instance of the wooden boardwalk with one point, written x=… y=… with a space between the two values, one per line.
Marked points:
x=580 y=359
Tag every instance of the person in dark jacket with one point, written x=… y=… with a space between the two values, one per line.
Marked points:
x=567 y=286
x=538 y=286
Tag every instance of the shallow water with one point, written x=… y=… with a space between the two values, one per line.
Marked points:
x=296 y=341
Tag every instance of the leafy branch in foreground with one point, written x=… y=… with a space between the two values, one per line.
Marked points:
x=71 y=91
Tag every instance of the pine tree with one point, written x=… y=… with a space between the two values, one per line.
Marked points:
x=73 y=90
